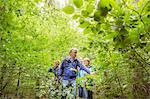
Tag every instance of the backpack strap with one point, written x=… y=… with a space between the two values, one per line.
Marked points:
x=66 y=60
x=76 y=62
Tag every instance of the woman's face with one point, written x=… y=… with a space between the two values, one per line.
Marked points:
x=86 y=62
x=56 y=63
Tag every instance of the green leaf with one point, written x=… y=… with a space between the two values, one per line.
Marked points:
x=85 y=13
x=104 y=11
x=68 y=9
x=90 y=8
x=98 y=26
x=114 y=4
x=133 y=36
x=104 y=3
x=75 y=16
x=84 y=24
x=97 y=15
x=87 y=30
x=78 y=3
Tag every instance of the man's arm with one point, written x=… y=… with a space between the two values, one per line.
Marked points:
x=83 y=67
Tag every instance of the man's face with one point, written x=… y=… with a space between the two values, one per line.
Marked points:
x=73 y=53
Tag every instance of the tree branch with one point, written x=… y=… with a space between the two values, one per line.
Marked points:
x=140 y=16
x=145 y=6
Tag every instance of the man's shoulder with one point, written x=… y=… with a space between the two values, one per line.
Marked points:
x=67 y=58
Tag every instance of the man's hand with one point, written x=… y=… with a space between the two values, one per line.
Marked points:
x=92 y=73
x=73 y=69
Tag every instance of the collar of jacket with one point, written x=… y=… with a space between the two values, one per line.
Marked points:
x=89 y=66
x=69 y=58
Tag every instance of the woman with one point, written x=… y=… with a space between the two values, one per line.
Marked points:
x=89 y=81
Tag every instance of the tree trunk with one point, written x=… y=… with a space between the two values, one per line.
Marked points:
x=18 y=82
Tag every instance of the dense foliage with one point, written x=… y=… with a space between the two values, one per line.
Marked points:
x=118 y=41
x=115 y=34
x=32 y=35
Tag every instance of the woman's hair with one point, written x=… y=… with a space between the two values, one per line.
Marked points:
x=87 y=59
x=57 y=61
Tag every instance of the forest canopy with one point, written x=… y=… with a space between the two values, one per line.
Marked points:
x=114 y=34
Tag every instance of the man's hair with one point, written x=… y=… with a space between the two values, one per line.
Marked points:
x=72 y=50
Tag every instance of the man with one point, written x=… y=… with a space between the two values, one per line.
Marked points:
x=68 y=70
